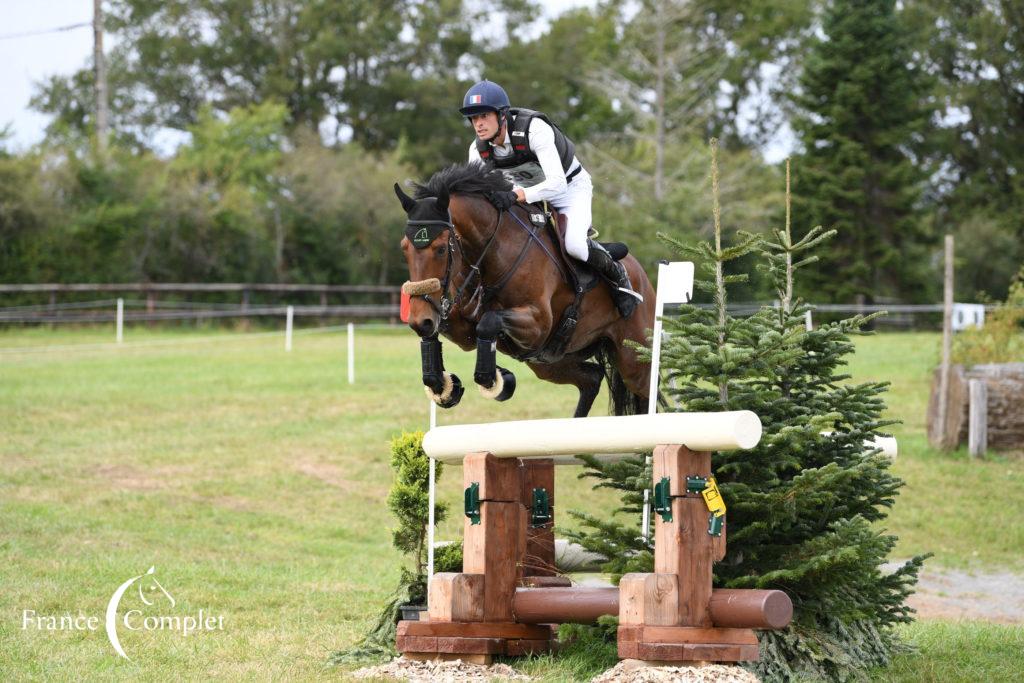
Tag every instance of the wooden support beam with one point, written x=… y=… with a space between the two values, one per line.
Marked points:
x=456 y=597
x=683 y=545
x=540 y=540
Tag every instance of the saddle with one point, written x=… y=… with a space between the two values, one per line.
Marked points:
x=577 y=274
x=580 y=275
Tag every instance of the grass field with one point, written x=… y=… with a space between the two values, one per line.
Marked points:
x=254 y=481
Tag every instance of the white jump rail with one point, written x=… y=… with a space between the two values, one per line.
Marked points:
x=558 y=438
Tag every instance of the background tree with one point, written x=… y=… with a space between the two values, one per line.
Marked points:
x=862 y=112
x=974 y=48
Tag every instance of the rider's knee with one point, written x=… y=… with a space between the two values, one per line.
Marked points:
x=576 y=243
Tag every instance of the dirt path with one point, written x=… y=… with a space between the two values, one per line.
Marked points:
x=954 y=594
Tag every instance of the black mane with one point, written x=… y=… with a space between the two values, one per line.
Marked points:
x=471 y=178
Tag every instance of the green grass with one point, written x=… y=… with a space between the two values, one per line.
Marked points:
x=254 y=480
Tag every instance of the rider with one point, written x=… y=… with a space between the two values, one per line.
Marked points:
x=540 y=162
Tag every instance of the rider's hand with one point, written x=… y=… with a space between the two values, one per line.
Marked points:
x=520 y=193
x=502 y=199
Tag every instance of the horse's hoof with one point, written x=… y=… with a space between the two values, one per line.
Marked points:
x=509 y=380
x=502 y=389
x=450 y=395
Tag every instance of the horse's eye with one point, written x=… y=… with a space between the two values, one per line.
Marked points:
x=439 y=251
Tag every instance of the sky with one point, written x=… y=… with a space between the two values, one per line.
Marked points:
x=30 y=59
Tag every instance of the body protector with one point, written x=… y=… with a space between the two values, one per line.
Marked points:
x=522 y=167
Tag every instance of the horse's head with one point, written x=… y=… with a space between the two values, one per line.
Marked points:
x=429 y=248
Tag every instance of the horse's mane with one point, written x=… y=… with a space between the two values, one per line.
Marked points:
x=471 y=178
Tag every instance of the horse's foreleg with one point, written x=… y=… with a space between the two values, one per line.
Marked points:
x=493 y=381
x=442 y=387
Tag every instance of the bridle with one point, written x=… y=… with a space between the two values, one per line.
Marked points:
x=448 y=302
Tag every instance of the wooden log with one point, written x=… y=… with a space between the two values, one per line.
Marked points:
x=745 y=608
x=977 y=431
x=729 y=607
x=617 y=434
x=564 y=605
x=1004 y=385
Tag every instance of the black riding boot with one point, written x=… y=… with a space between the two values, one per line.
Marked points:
x=622 y=289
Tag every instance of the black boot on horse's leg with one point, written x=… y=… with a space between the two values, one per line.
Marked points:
x=443 y=388
x=493 y=381
x=622 y=289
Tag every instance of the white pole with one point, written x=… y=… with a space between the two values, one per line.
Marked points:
x=675 y=285
x=352 y=355
x=652 y=396
x=430 y=510
x=290 y=313
x=120 y=321
x=807 y=320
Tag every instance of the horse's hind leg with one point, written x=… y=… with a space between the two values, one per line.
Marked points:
x=584 y=375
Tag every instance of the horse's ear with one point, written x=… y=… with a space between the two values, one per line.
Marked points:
x=407 y=201
x=442 y=200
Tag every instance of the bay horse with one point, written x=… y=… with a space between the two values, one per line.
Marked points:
x=488 y=279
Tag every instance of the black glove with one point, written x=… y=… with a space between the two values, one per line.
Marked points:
x=502 y=200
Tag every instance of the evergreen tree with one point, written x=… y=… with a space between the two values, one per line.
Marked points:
x=801 y=504
x=861 y=113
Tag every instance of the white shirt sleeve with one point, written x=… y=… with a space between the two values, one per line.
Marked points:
x=542 y=142
x=473 y=154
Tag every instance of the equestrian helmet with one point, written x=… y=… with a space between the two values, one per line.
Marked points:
x=485 y=96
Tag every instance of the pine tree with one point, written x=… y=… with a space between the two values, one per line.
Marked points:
x=802 y=503
x=861 y=112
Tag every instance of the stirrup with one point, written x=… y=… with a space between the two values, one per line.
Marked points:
x=633 y=293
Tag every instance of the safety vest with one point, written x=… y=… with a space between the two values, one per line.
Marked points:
x=522 y=166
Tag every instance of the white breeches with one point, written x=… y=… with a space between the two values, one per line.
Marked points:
x=575 y=204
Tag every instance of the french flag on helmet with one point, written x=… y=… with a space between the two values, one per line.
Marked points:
x=483 y=97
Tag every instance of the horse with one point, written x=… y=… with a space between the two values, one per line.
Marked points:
x=500 y=287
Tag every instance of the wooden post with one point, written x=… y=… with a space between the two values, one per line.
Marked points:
x=666 y=615
x=540 y=540
x=683 y=546
x=937 y=428
x=495 y=546
x=977 y=430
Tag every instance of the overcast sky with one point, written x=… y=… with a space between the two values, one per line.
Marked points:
x=30 y=59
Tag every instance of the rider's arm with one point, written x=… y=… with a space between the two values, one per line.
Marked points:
x=542 y=142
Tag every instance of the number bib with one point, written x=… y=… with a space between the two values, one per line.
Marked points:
x=524 y=175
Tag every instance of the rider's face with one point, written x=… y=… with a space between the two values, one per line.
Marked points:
x=485 y=125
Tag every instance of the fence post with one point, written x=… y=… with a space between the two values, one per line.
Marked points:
x=351 y=334
x=120 y=321
x=977 y=430
x=807 y=320
x=289 y=314
x=939 y=428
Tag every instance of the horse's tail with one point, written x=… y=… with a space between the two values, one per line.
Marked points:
x=621 y=401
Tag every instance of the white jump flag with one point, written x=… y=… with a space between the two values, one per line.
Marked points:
x=675 y=286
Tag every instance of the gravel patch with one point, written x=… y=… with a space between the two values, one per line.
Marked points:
x=455 y=671
x=634 y=671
